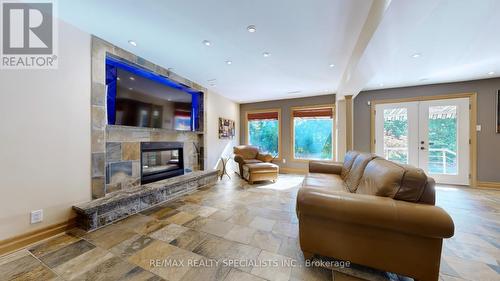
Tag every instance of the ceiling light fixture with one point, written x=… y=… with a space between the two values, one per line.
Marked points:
x=491 y=72
x=118 y=78
x=331 y=65
x=251 y=28
x=132 y=42
x=130 y=89
x=416 y=55
x=132 y=78
x=206 y=43
x=266 y=54
x=228 y=62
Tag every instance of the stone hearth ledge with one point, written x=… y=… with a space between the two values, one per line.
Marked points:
x=121 y=204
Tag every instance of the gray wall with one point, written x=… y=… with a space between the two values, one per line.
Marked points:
x=285 y=105
x=488 y=140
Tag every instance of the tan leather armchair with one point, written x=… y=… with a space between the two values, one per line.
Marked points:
x=247 y=154
x=373 y=212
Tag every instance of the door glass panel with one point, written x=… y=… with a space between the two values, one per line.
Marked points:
x=396 y=135
x=443 y=140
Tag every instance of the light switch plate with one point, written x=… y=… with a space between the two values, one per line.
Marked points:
x=36 y=216
x=478 y=128
x=284 y=160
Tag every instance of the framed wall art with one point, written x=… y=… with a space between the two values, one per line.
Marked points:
x=226 y=128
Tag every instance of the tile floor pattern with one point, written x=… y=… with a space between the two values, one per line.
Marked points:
x=233 y=220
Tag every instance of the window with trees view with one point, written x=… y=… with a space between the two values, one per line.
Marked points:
x=264 y=131
x=313 y=133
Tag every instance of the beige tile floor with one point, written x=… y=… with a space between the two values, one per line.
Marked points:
x=233 y=221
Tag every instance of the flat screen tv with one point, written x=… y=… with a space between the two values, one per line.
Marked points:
x=138 y=97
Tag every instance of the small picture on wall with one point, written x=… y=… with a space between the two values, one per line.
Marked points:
x=498 y=112
x=226 y=128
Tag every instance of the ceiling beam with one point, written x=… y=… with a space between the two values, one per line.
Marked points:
x=352 y=82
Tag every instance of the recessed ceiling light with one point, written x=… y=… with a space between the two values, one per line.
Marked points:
x=251 y=28
x=266 y=54
x=169 y=99
x=132 y=42
x=416 y=55
x=130 y=89
x=228 y=62
x=331 y=65
x=206 y=43
x=381 y=84
x=132 y=78
x=491 y=72
x=118 y=78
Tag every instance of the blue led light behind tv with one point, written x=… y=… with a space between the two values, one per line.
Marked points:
x=112 y=65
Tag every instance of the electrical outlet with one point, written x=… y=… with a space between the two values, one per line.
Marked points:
x=478 y=128
x=36 y=216
x=284 y=160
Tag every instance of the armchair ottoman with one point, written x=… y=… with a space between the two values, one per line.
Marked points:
x=253 y=165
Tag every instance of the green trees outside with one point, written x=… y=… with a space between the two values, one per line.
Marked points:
x=264 y=134
x=442 y=142
x=313 y=138
x=396 y=136
x=443 y=145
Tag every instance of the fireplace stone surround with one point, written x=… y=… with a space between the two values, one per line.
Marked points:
x=115 y=150
x=116 y=153
x=121 y=204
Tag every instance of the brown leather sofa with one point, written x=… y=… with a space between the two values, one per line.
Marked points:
x=373 y=212
x=253 y=165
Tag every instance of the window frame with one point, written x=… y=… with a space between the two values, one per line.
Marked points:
x=247 y=132
x=292 y=131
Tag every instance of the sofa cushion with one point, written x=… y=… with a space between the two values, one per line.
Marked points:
x=331 y=182
x=251 y=161
x=413 y=185
x=388 y=179
x=246 y=151
x=349 y=158
x=261 y=167
x=356 y=172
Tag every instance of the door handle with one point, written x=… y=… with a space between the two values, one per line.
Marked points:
x=422 y=148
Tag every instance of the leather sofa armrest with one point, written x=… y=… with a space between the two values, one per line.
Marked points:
x=239 y=159
x=374 y=211
x=265 y=157
x=325 y=167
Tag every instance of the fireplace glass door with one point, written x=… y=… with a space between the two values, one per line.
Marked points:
x=155 y=162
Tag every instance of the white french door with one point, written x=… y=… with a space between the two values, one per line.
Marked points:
x=432 y=135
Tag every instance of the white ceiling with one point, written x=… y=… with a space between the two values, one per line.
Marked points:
x=457 y=40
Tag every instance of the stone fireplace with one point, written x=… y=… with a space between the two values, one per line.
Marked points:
x=117 y=150
x=135 y=168
x=161 y=160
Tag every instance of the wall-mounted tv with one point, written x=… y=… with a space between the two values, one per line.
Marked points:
x=138 y=97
